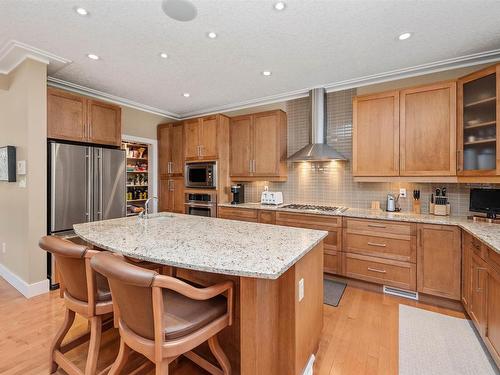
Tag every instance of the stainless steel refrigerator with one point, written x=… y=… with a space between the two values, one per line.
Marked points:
x=85 y=184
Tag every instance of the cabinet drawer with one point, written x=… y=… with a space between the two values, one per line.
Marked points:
x=333 y=263
x=267 y=217
x=321 y=222
x=478 y=248
x=381 y=228
x=380 y=271
x=242 y=214
x=494 y=260
x=384 y=247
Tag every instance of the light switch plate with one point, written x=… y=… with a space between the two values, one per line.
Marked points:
x=21 y=167
x=301 y=289
x=402 y=193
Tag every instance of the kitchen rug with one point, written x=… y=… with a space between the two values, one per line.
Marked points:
x=437 y=344
x=332 y=292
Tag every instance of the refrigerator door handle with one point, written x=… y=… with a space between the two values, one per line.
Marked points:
x=52 y=184
x=88 y=171
x=99 y=176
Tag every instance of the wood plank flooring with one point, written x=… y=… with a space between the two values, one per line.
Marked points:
x=359 y=337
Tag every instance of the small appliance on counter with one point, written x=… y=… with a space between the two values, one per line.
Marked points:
x=392 y=203
x=238 y=192
x=439 y=204
x=271 y=197
x=485 y=201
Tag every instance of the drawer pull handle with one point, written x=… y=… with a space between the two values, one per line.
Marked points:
x=376 y=270
x=377 y=244
x=376 y=225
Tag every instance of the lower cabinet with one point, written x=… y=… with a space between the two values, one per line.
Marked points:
x=439 y=260
x=242 y=214
x=492 y=329
x=172 y=195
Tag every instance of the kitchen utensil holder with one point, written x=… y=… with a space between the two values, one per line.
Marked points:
x=417 y=209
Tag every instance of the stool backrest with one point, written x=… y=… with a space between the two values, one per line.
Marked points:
x=70 y=259
x=131 y=288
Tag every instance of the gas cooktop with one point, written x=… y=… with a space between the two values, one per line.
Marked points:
x=312 y=207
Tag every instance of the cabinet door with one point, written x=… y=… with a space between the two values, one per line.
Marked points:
x=492 y=336
x=164 y=149
x=177 y=195
x=240 y=146
x=104 y=123
x=208 y=138
x=477 y=310
x=66 y=116
x=266 y=144
x=439 y=260
x=466 y=273
x=164 y=197
x=428 y=130
x=191 y=139
x=176 y=149
x=375 y=135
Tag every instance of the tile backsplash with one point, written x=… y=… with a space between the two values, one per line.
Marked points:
x=331 y=183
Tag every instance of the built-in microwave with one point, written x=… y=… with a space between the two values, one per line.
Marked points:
x=201 y=175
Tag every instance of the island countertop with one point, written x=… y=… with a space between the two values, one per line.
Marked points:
x=205 y=244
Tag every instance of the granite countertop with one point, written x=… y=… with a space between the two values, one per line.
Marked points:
x=487 y=233
x=205 y=244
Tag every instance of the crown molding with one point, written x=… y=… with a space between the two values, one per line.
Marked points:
x=14 y=53
x=87 y=91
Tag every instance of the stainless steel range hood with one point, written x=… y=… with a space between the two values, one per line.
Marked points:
x=317 y=149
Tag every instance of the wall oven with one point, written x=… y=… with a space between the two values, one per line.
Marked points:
x=201 y=204
x=201 y=175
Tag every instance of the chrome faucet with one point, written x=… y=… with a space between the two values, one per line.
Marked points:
x=145 y=214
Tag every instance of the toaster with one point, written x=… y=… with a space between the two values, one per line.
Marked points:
x=271 y=197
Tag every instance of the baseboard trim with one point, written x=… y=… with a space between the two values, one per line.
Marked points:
x=27 y=290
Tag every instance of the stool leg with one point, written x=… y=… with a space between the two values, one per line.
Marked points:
x=213 y=344
x=162 y=367
x=69 y=318
x=94 y=344
x=121 y=359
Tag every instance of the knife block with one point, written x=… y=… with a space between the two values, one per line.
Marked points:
x=417 y=209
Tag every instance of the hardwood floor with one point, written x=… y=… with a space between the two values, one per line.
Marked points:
x=359 y=337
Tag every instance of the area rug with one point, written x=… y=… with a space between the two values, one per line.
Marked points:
x=437 y=344
x=332 y=292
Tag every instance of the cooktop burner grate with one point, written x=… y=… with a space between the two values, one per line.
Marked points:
x=312 y=207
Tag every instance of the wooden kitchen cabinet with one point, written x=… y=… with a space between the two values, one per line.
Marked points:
x=439 y=260
x=492 y=332
x=170 y=150
x=241 y=214
x=466 y=269
x=258 y=146
x=74 y=117
x=202 y=136
x=171 y=197
x=479 y=279
x=375 y=135
x=428 y=130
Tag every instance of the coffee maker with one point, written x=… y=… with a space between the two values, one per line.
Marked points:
x=238 y=192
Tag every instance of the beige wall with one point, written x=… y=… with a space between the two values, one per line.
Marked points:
x=23 y=210
x=141 y=124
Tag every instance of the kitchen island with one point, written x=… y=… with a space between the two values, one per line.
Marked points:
x=277 y=271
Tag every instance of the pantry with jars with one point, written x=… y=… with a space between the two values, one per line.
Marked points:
x=138 y=179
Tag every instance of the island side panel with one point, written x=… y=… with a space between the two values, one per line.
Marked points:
x=279 y=332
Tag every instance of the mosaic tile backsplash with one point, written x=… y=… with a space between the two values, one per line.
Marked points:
x=332 y=183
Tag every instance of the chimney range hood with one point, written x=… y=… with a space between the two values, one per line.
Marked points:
x=317 y=149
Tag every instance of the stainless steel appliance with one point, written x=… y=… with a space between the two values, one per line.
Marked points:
x=392 y=203
x=85 y=184
x=201 y=204
x=317 y=208
x=201 y=175
x=238 y=192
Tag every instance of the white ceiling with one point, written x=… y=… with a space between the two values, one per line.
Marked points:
x=311 y=43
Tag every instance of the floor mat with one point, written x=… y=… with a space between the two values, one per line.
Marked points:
x=332 y=292
x=437 y=344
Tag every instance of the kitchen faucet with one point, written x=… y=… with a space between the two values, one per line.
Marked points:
x=145 y=214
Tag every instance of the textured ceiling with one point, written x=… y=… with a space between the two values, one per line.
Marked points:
x=309 y=44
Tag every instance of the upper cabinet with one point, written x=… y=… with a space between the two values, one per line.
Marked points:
x=478 y=111
x=202 y=137
x=74 y=117
x=375 y=135
x=428 y=130
x=170 y=150
x=258 y=146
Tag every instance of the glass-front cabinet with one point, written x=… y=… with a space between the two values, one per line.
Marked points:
x=478 y=116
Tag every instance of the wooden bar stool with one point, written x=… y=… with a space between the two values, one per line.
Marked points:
x=86 y=293
x=162 y=317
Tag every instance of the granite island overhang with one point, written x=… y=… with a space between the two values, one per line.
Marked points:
x=276 y=328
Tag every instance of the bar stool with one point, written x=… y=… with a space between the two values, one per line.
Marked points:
x=86 y=293
x=162 y=317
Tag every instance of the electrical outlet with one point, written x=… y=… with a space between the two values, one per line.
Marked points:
x=402 y=193
x=301 y=289
x=4 y=247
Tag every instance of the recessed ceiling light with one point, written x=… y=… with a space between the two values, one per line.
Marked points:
x=404 y=36
x=266 y=73
x=92 y=56
x=280 y=5
x=186 y=95
x=81 y=11
x=163 y=55
x=212 y=35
